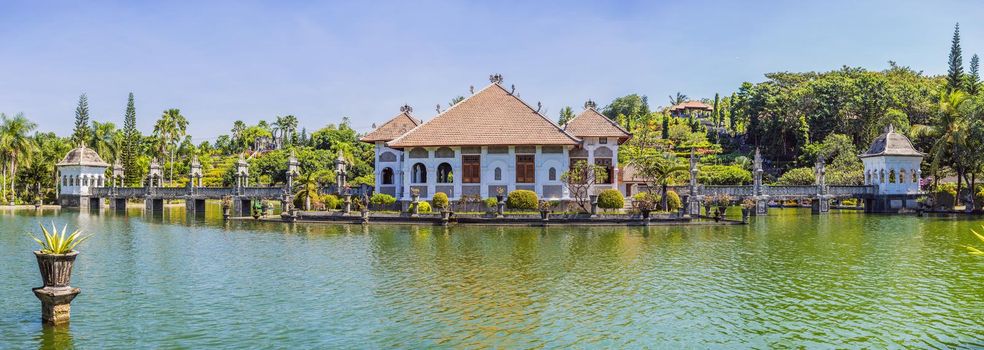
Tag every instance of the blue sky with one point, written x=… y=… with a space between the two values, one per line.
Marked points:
x=222 y=61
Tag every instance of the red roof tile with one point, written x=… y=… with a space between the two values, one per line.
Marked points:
x=490 y=117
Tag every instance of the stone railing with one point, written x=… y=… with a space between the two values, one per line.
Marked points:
x=262 y=192
x=851 y=190
x=213 y=192
x=800 y=191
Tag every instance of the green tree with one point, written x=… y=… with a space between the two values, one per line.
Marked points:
x=81 y=133
x=103 y=142
x=634 y=107
x=666 y=127
x=131 y=144
x=169 y=130
x=954 y=74
x=16 y=146
x=973 y=77
x=566 y=114
x=717 y=113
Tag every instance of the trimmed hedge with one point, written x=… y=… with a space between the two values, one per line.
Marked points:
x=331 y=201
x=723 y=175
x=381 y=199
x=522 y=200
x=611 y=199
x=423 y=207
x=440 y=200
x=798 y=176
x=491 y=202
x=673 y=201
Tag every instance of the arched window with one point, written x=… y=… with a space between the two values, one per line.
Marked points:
x=881 y=176
x=552 y=174
x=867 y=177
x=498 y=174
x=891 y=176
x=419 y=174
x=915 y=177
x=444 y=152
x=419 y=153
x=387 y=157
x=444 y=174
x=64 y=180
x=387 y=176
x=902 y=176
x=85 y=180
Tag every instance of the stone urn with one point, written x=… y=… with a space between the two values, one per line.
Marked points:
x=56 y=269
x=499 y=198
x=56 y=295
x=544 y=215
x=745 y=212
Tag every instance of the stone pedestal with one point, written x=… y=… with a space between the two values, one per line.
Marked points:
x=761 y=206
x=56 y=306
x=820 y=205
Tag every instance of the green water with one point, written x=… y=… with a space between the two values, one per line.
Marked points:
x=844 y=280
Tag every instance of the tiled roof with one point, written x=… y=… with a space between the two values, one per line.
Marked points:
x=592 y=123
x=692 y=105
x=490 y=117
x=891 y=143
x=393 y=128
x=83 y=156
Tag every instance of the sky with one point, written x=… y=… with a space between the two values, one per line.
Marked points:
x=223 y=61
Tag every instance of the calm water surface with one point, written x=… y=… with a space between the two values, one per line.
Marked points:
x=844 y=280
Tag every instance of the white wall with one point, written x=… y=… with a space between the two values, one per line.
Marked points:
x=77 y=174
x=875 y=166
x=506 y=162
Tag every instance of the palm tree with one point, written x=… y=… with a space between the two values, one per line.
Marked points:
x=16 y=146
x=657 y=169
x=678 y=99
x=169 y=129
x=237 y=132
x=307 y=186
x=102 y=140
x=950 y=134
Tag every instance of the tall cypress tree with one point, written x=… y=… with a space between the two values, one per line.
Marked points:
x=954 y=75
x=666 y=126
x=973 y=77
x=717 y=113
x=81 y=134
x=131 y=140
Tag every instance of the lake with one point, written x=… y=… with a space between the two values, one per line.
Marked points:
x=844 y=280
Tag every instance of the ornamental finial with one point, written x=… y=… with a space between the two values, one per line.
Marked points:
x=495 y=78
x=589 y=104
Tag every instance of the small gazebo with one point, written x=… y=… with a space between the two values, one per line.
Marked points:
x=80 y=170
x=891 y=164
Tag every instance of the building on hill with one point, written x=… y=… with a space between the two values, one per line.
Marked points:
x=697 y=109
x=78 y=172
x=491 y=140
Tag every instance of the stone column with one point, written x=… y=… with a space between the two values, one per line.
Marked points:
x=56 y=306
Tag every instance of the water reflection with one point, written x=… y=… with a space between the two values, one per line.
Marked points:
x=55 y=338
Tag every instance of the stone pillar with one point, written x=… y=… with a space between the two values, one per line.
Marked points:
x=693 y=198
x=56 y=306
x=761 y=200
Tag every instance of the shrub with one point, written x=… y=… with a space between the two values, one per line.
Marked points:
x=423 y=207
x=331 y=201
x=797 y=176
x=381 y=199
x=673 y=202
x=440 y=200
x=723 y=175
x=491 y=202
x=522 y=200
x=944 y=195
x=611 y=199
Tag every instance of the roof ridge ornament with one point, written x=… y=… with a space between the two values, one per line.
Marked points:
x=589 y=104
x=405 y=108
x=890 y=128
x=471 y=89
x=495 y=78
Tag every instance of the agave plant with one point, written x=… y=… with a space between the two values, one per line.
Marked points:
x=973 y=250
x=58 y=243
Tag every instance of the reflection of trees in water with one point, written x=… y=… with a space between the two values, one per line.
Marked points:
x=55 y=337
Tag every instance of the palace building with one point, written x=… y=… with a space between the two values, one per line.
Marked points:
x=489 y=141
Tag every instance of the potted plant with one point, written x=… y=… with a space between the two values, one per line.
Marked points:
x=441 y=203
x=226 y=206
x=645 y=204
x=414 y=195
x=57 y=255
x=723 y=201
x=545 y=208
x=747 y=205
